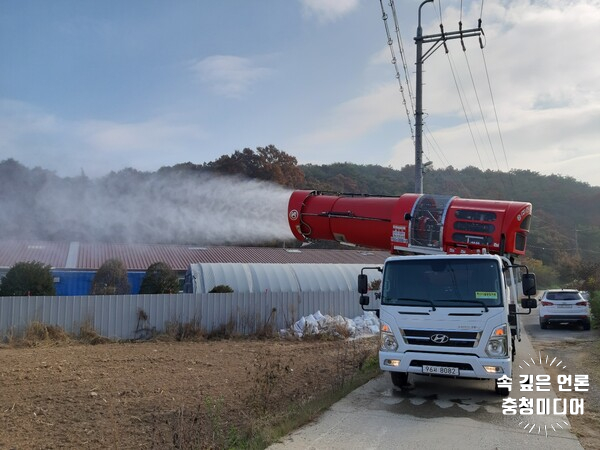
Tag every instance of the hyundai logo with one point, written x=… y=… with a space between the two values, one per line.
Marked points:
x=439 y=338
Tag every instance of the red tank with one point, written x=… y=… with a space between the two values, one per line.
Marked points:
x=416 y=223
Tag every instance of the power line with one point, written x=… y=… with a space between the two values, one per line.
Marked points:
x=480 y=108
x=495 y=109
x=390 y=42
x=402 y=55
x=435 y=146
x=562 y=249
x=437 y=41
x=460 y=97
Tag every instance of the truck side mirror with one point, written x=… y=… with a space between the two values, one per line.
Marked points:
x=363 y=284
x=528 y=303
x=528 y=281
x=363 y=300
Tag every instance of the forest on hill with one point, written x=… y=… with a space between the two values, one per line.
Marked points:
x=564 y=237
x=566 y=212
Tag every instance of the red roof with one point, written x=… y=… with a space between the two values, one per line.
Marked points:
x=52 y=253
x=75 y=255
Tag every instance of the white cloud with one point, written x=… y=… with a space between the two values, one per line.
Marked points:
x=150 y=134
x=545 y=90
x=328 y=10
x=230 y=76
x=553 y=141
x=355 y=118
x=36 y=138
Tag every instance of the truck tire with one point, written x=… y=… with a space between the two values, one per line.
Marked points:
x=399 y=379
x=502 y=391
x=514 y=349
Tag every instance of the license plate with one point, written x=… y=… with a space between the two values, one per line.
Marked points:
x=441 y=370
x=565 y=306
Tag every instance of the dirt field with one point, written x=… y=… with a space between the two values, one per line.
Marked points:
x=205 y=394
x=580 y=357
x=161 y=394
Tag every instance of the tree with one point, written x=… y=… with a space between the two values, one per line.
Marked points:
x=111 y=279
x=28 y=278
x=279 y=167
x=588 y=276
x=375 y=285
x=267 y=163
x=546 y=276
x=221 y=289
x=160 y=279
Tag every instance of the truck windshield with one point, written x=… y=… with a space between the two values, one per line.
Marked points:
x=442 y=283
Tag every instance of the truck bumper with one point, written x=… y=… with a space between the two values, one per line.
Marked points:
x=469 y=366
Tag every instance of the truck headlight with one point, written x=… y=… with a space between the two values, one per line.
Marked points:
x=388 y=342
x=497 y=344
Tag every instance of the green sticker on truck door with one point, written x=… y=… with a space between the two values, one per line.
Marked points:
x=483 y=295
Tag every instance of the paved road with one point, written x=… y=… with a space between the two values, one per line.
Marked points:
x=531 y=325
x=436 y=413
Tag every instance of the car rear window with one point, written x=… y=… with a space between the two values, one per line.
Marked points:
x=563 y=296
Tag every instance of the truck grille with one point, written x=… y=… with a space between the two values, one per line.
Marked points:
x=441 y=338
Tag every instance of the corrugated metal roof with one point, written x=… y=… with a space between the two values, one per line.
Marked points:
x=52 y=253
x=90 y=256
x=249 y=278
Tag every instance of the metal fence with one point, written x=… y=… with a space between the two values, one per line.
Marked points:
x=138 y=316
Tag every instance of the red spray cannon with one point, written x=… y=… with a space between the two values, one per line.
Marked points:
x=416 y=223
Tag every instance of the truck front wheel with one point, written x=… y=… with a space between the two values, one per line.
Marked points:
x=514 y=348
x=400 y=379
x=502 y=391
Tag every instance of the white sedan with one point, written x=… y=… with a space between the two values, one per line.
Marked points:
x=564 y=306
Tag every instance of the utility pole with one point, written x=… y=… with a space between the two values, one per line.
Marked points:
x=437 y=41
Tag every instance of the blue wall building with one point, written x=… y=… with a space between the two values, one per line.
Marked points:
x=79 y=282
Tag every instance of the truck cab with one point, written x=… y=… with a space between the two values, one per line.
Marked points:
x=449 y=315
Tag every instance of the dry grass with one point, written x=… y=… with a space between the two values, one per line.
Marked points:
x=38 y=333
x=88 y=335
x=187 y=331
x=273 y=406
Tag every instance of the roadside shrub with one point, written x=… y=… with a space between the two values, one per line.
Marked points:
x=89 y=335
x=38 y=332
x=595 y=305
x=189 y=331
x=159 y=279
x=111 y=279
x=28 y=278
x=221 y=289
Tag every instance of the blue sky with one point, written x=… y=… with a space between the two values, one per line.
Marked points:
x=104 y=85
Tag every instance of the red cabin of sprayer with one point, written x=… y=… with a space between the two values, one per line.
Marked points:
x=416 y=223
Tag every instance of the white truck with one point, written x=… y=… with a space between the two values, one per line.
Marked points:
x=449 y=308
x=450 y=315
